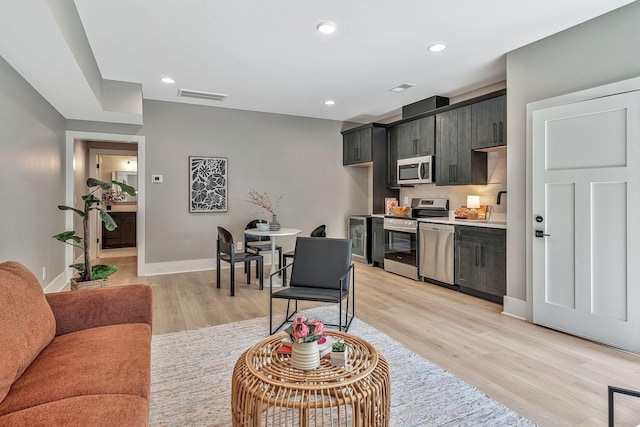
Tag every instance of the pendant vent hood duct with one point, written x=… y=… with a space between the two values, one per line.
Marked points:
x=202 y=95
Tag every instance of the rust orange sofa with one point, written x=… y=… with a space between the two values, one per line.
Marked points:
x=78 y=358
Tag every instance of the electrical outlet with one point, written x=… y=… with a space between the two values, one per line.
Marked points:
x=44 y=273
x=239 y=245
x=406 y=200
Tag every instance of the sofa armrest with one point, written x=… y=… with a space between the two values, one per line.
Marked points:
x=90 y=308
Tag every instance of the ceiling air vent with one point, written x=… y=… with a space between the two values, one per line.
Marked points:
x=202 y=95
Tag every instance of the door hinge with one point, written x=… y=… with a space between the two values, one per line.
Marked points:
x=97 y=165
x=97 y=240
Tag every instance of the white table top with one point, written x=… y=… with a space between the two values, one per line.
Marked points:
x=281 y=232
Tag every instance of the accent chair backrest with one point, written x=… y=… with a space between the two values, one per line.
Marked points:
x=319 y=231
x=225 y=241
x=320 y=262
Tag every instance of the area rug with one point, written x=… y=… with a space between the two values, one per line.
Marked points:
x=191 y=379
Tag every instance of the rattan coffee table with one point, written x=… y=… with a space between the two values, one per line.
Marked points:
x=267 y=391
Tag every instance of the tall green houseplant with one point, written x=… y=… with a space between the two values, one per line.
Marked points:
x=91 y=202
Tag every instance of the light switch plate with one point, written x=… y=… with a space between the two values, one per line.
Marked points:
x=156 y=179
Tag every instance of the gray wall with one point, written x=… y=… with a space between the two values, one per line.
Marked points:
x=601 y=51
x=31 y=177
x=295 y=156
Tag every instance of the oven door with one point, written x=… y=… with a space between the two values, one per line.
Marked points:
x=401 y=246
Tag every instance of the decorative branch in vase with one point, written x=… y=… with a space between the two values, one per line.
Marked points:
x=264 y=201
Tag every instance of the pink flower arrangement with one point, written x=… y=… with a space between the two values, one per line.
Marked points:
x=303 y=330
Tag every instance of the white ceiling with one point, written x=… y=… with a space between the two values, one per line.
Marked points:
x=266 y=54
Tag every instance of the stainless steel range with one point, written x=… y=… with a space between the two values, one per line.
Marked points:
x=401 y=251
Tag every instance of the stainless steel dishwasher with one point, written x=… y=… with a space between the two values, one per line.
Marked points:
x=436 y=252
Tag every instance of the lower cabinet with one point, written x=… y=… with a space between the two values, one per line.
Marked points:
x=481 y=261
x=124 y=236
x=377 y=243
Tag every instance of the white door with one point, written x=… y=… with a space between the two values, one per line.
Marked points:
x=586 y=202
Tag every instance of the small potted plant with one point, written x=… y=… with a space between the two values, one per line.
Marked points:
x=339 y=354
x=91 y=276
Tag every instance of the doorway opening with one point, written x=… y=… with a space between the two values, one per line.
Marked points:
x=83 y=149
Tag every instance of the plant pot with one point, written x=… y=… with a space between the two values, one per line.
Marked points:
x=274 y=225
x=305 y=356
x=93 y=284
x=339 y=358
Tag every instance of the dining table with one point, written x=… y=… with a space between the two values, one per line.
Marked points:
x=273 y=235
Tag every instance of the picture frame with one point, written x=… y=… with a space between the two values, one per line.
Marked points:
x=208 y=184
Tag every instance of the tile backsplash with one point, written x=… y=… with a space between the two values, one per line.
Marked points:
x=457 y=194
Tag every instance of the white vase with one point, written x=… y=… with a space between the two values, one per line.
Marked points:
x=305 y=356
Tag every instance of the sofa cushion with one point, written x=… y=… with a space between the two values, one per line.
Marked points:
x=110 y=410
x=27 y=324
x=99 y=361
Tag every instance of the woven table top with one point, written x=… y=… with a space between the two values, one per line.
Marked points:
x=265 y=363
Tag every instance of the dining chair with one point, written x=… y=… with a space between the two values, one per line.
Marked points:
x=319 y=231
x=323 y=272
x=225 y=252
x=257 y=244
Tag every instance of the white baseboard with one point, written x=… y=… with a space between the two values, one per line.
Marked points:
x=172 y=267
x=186 y=266
x=517 y=308
x=58 y=284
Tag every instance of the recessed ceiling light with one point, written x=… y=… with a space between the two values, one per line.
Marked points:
x=326 y=27
x=437 y=47
x=402 y=87
x=329 y=102
x=168 y=80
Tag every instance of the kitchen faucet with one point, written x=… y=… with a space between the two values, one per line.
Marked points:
x=500 y=193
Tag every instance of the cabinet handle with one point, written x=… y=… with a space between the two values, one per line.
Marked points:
x=450 y=174
x=495 y=133
x=358 y=152
x=455 y=173
x=477 y=262
x=483 y=263
x=501 y=131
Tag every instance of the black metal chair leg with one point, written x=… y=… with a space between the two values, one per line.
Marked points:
x=233 y=279
x=260 y=267
x=218 y=272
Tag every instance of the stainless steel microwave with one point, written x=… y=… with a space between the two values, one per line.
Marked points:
x=416 y=170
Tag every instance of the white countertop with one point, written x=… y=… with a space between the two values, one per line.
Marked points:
x=497 y=220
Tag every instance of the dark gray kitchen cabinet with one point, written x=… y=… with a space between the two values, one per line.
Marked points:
x=377 y=243
x=456 y=163
x=392 y=158
x=416 y=138
x=357 y=147
x=366 y=146
x=481 y=261
x=489 y=123
x=124 y=236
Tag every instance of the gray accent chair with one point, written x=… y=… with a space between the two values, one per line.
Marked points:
x=319 y=231
x=322 y=271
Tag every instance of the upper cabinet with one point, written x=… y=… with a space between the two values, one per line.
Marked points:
x=357 y=146
x=489 y=123
x=367 y=146
x=456 y=163
x=416 y=138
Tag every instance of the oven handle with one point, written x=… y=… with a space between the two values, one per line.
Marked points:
x=400 y=229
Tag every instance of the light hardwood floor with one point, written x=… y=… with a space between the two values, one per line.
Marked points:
x=553 y=379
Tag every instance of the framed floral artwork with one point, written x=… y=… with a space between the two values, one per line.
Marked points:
x=208 y=184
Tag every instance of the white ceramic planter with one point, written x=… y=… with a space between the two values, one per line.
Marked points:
x=305 y=356
x=339 y=358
